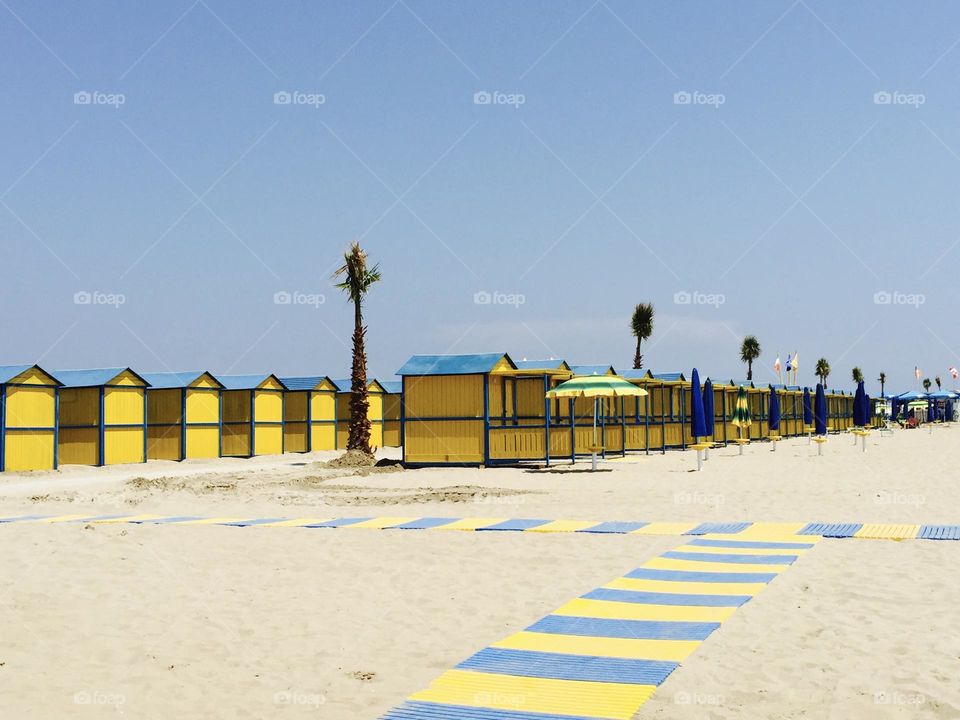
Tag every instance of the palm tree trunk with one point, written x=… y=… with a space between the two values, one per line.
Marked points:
x=750 y=370
x=637 y=358
x=359 y=432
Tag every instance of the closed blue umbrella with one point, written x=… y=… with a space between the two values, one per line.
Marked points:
x=929 y=410
x=867 y=413
x=698 y=425
x=820 y=411
x=807 y=407
x=773 y=419
x=859 y=416
x=893 y=408
x=708 y=410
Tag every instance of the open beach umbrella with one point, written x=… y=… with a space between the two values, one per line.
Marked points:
x=807 y=408
x=708 y=411
x=820 y=411
x=698 y=425
x=773 y=420
x=595 y=386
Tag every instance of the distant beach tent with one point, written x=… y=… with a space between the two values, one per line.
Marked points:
x=820 y=411
x=183 y=415
x=252 y=415
x=102 y=417
x=28 y=418
x=597 y=386
x=309 y=413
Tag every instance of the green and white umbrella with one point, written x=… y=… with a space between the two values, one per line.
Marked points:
x=595 y=386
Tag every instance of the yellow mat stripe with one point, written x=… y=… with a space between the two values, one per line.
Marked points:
x=611 y=609
x=470 y=524
x=631 y=648
x=614 y=701
x=740 y=551
x=128 y=519
x=665 y=528
x=660 y=563
x=296 y=522
x=379 y=523
x=208 y=521
x=563 y=526
x=887 y=532
x=687 y=588
x=62 y=518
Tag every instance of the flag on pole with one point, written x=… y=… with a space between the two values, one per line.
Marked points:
x=776 y=364
x=916 y=372
x=796 y=365
x=789 y=364
x=953 y=372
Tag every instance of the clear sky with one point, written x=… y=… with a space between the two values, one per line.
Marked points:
x=568 y=159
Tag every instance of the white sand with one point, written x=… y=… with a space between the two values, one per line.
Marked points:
x=256 y=622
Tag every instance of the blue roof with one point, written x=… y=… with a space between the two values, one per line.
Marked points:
x=393 y=387
x=632 y=374
x=453 y=364
x=668 y=377
x=168 y=380
x=592 y=369
x=91 y=378
x=943 y=395
x=9 y=372
x=552 y=364
x=305 y=382
x=742 y=383
x=912 y=395
x=244 y=382
x=345 y=385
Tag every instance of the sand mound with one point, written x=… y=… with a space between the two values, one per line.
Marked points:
x=351 y=459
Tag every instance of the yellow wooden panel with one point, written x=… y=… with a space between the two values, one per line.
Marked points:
x=163 y=406
x=205 y=381
x=323 y=436
x=236 y=440
x=78 y=446
x=376 y=435
x=28 y=450
x=271 y=384
x=295 y=437
x=391 y=406
x=163 y=443
x=343 y=434
x=375 y=406
x=128 y=379
x=295 y=406
x=203 y=406
x=79 y=406
x=323 y=406
x=203 y=442
x=269 y=439
x=444 y=441
x=236 y=406
x=33 y=376
x=123 y=406
x=613 y=610
x=123 y=445
x=517 y=442
x=633 y=648
x=444 y=396
x=391 y=433
x=268 y=407
x=31 y=407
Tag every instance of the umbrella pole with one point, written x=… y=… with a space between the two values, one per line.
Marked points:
x=740 y=437
x=593 y=448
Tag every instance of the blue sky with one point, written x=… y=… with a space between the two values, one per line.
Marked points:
x=786 y=169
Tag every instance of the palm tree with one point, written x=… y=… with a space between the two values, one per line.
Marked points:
x=937 y=381
x=926 y=384
x=857 y=376
x=356 y=282
x=822 y=370
x=883 y=381
x=749 y=351
x=642 y=326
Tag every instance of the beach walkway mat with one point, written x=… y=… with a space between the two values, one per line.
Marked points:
x=602 y=655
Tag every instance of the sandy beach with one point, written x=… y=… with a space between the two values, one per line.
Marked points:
x=157 y=621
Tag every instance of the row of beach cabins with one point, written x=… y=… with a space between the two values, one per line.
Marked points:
x=478 y=409
x=112 y=416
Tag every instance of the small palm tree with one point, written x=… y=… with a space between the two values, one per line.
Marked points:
x=822 y=370
x=937 y=381
x=642 y=326
x=749 y=351
x=883 y=381
x=926 y=384
x=857 y=376
x=356 y=281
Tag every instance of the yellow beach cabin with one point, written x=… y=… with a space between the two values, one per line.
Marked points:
x=183 y=415
x=309 y=414
x=28 y=418
x=251 y=418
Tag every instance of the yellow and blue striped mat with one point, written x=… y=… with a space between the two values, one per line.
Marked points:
x=832 y=530
x=603 y=654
